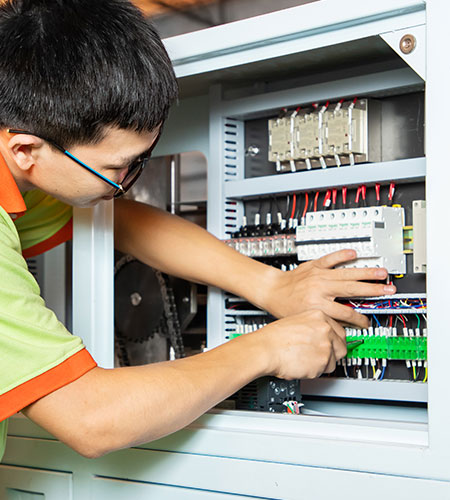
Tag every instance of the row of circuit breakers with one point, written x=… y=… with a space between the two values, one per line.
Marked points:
x=377 y=234
x=328 y=135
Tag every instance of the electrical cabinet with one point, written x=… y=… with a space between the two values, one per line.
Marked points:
x=381 y=419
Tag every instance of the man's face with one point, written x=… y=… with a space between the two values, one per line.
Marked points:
x=59 y=176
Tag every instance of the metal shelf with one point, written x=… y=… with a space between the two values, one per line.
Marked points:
x=399 y=390
x=413 y=169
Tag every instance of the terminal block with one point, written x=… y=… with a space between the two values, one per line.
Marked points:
x=390 y=348
x=375 y=233
x=281 y=245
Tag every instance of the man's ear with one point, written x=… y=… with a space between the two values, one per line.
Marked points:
x=24 y=149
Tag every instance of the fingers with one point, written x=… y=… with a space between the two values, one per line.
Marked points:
x=337 y=329
x=359 y=289
x=346 y=314
x=358 y=274
x=335 y=258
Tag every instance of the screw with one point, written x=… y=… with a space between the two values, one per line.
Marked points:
x=185 y=300
x=252 y=151
x=135 y=298
x=407 y=44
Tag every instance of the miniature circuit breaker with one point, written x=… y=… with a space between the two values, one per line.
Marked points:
x=375 y=233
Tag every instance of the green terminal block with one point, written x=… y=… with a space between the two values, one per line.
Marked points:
x=380 y=347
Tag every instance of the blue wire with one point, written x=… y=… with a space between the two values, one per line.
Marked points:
x=382 y=373
x=376 y=319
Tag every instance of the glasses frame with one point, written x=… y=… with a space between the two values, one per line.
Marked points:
x=135 y=168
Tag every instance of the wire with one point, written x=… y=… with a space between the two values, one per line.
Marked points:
x=391 y=192
x=327 y=199
x=374 y=373
x=358 y=193
x=414 y=373
x=294 y=203
x=363 y=193
x=382 y=373
x=426 y=374
x=344 y=196
x=306 y=205
x=418 y=320
x=288 y=206
x=377 y=193
x=376 y=319
x=316 y=198
x=333 y=198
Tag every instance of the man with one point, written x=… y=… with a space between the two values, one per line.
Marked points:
x=85 y=88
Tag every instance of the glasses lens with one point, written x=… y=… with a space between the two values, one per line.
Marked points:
x=132 y=176
x=135 y=170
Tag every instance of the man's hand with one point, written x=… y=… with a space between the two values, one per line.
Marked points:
x=303 y=346
x=315 y=285
x=106 y=410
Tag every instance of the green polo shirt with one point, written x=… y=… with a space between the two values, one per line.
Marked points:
x=37 y=353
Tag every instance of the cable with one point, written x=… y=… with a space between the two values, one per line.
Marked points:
x=306 y=205
x=358 y=193
x=327 y=199
x=363 y=194
x=344 y=196
x=333 y=198
x=316 y=198
x=391 y=192
x=294 y=203
x=376 y=319
x=377 y=193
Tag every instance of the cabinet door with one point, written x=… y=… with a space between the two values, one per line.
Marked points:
x=22 y=483
x=116 y=489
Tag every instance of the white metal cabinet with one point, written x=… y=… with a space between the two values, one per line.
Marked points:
x=22 y=483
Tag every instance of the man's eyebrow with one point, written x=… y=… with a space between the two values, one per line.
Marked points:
x=126 y=162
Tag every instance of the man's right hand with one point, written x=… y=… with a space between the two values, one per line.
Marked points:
x=303 y=346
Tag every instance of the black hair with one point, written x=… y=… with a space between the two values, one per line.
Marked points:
x=68 y=68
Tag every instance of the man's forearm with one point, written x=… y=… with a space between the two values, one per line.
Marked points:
x=183 y=249
x=106 y=410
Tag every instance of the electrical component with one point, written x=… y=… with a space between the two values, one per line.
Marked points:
x=326 y=135
x=419 y=236
x=375 y=233
x=265 y=246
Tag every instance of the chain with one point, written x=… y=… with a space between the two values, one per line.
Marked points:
x=171 y=313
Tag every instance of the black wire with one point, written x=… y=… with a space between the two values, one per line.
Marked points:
x=288 y=207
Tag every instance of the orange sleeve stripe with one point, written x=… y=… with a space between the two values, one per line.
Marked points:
x=63 y=235
x=23 y=395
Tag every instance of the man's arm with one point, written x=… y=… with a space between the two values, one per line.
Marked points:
x=106 y=410
x=183 y=249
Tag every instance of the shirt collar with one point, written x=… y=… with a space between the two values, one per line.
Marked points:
x=10 y=197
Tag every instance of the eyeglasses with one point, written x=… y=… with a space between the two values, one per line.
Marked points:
x=134 y=169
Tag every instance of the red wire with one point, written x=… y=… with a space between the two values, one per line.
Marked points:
x=390 y=320
x=344 y=195
x=391 y=191
x=306 y=205
x=294 y=203
x=363 y=191
x=357 y=195
x=377 y=191
x=315 y=201
x=403 y=320
x=334 y=197
x=327 y=198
